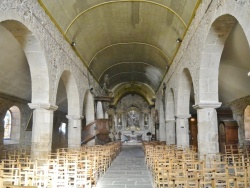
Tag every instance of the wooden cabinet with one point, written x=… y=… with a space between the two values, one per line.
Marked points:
x=193 y=130
x=228 y=133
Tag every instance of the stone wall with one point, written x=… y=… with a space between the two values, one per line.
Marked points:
x=238 y=107
x=192 y=53
x=7 y=102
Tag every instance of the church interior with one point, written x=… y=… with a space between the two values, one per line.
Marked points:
x=124 y=93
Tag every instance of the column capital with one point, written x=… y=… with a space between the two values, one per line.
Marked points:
x=46 y=106
x=183 y=116
x=169 y=120
x=74 y=117
x=207 y=105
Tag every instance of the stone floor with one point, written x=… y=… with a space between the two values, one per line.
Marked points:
x=128 y=170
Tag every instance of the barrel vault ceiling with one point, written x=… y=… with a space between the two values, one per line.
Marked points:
x=131 y=41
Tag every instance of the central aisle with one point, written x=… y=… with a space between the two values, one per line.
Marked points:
x=128 y=170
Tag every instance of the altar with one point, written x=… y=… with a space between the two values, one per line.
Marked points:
x=133 y=137
x=128 y=136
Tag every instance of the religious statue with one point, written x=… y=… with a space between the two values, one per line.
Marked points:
x=105 y=90
x=133 y=120
x=106 y=81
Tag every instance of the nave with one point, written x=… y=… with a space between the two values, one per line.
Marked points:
x=128 y=170
x=152 y=165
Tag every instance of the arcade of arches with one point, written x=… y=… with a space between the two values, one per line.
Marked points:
x=50 y=94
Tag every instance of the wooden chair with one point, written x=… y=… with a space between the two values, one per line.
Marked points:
x=10 y=172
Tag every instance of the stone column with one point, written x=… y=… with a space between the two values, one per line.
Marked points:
x=74 y=131
x=42 y=129
x=182 y=130
x=1 y=133
x=162 y=131
x=208 y=143
x=170 y=131
x=239 y=117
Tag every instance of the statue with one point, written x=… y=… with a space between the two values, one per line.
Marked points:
x=133 y=120
x=106 y=81
x=105 y=90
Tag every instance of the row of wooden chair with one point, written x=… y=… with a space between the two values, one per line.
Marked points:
x=64 y=168
x=236 y=149
x=173 y=166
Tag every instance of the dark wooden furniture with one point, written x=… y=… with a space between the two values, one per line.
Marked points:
x=228 y=134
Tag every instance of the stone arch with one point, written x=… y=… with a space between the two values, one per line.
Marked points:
x=72 y=92
x=32 y=47
x=185 y=85
x=74 y=108
x=89 y=107
x=215 y=73
x=211 y=55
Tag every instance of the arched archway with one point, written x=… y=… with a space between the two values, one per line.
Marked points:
x=74 y=110
x=26 y=76
x=89 y=107
x=185 y=85
x=208 y=95
x=39 y=89
x=211 y=55
x=234 y=61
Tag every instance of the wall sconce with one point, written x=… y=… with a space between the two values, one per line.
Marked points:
x=73 y=43
x=192 y=119
x=178 y=40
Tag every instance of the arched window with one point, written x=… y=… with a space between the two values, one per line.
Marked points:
x=247 y=122
x=62 y=128
x=63 y=135
x=7 y=125
x=12 y=122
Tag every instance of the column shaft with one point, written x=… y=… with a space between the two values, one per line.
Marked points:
x=182 y=131
x=162 y=131
x=41 y=133
x=207 y=132
x=42 y=129
x=74 y=131
x=170 y=132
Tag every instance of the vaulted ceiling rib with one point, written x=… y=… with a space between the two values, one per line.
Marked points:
x=132 y=41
